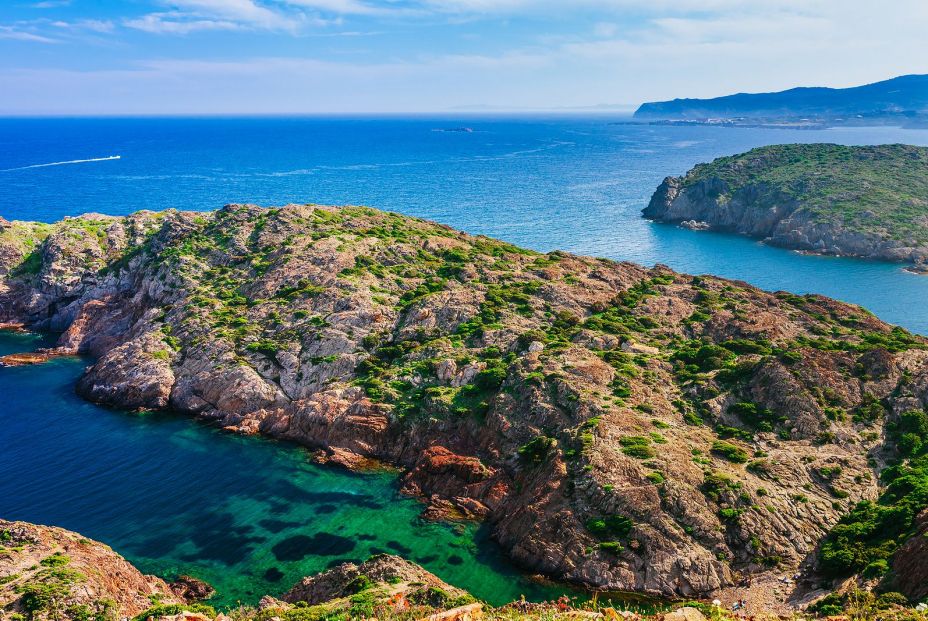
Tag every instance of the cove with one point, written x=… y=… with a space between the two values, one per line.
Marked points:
x=248 y=515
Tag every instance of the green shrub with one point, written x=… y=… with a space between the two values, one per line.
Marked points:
x=55 y=560
x=166 y=610
x=637 y=447
x=872 y=531
x=617 y=526
x=615 y=547
x=732 y=453
x=537 y=450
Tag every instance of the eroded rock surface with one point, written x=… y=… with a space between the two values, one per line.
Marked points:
x=49 y=572
x=622 y=427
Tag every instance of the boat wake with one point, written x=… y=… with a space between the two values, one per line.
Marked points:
x=93 y=159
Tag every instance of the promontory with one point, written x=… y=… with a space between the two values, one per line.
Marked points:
x=869 y=201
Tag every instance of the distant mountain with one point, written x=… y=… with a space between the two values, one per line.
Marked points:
x=898 y=96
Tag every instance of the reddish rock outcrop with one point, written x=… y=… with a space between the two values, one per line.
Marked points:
x=73 y=571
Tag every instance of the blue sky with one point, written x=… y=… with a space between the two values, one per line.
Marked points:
x=359 y=56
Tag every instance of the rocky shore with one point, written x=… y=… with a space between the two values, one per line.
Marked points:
x=619 y=427
x=49 y=573
x=868 y=202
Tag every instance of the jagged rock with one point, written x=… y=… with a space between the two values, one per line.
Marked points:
x=910 y=563
x=191 y=589
x=343 y=580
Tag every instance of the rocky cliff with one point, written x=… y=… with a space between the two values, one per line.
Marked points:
x=50 y=572
x=621 y=427
x=853 y=201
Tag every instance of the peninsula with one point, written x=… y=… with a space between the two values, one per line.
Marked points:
x=617 y=427
x=869 y=202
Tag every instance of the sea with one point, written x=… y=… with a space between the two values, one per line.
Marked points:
x=252 y=516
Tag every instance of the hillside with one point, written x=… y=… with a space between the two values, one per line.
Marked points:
x=619 y=427
x=40 y=565
x=867 y=202
x=894 y=98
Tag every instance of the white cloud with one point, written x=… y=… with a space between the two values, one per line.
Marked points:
x=343 y=7
x=176 y=23
x=188 y=16
x=617 y=51
x=95 y=25
x=9 y=32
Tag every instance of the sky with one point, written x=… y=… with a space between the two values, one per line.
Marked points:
x=125 y=57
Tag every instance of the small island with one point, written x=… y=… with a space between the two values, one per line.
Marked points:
x=869 y=202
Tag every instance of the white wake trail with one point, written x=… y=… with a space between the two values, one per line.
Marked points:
x=93 y=159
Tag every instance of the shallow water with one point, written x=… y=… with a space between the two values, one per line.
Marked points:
x=249 y=516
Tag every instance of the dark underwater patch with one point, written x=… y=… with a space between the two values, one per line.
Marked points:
x=299 y=547
x=273 y=575
x=217 y=538
x=399 y=547
x=454 y=559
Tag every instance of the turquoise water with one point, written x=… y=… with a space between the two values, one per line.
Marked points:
x=248 y=515
x=577 y=184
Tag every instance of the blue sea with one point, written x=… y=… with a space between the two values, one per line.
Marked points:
x=252 y=516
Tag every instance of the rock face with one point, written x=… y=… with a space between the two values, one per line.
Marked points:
x=621 y=427
x=910 y=563
x=348 y=579
x=46 y=571
x=853 y=201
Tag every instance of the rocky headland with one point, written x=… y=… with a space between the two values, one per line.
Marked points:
x=869 y=202
x=619 y=427
x=41 y=565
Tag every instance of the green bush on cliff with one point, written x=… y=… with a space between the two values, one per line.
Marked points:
x=55 y=560
x=537 y=450
x=866 y=538
x=49 y=589
x=755 y=416
x=166 y=610
x=617 y=526
x=695 y=356
x=729 y=451
x=637 y=447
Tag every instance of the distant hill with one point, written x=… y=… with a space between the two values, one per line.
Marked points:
x=898 y=96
